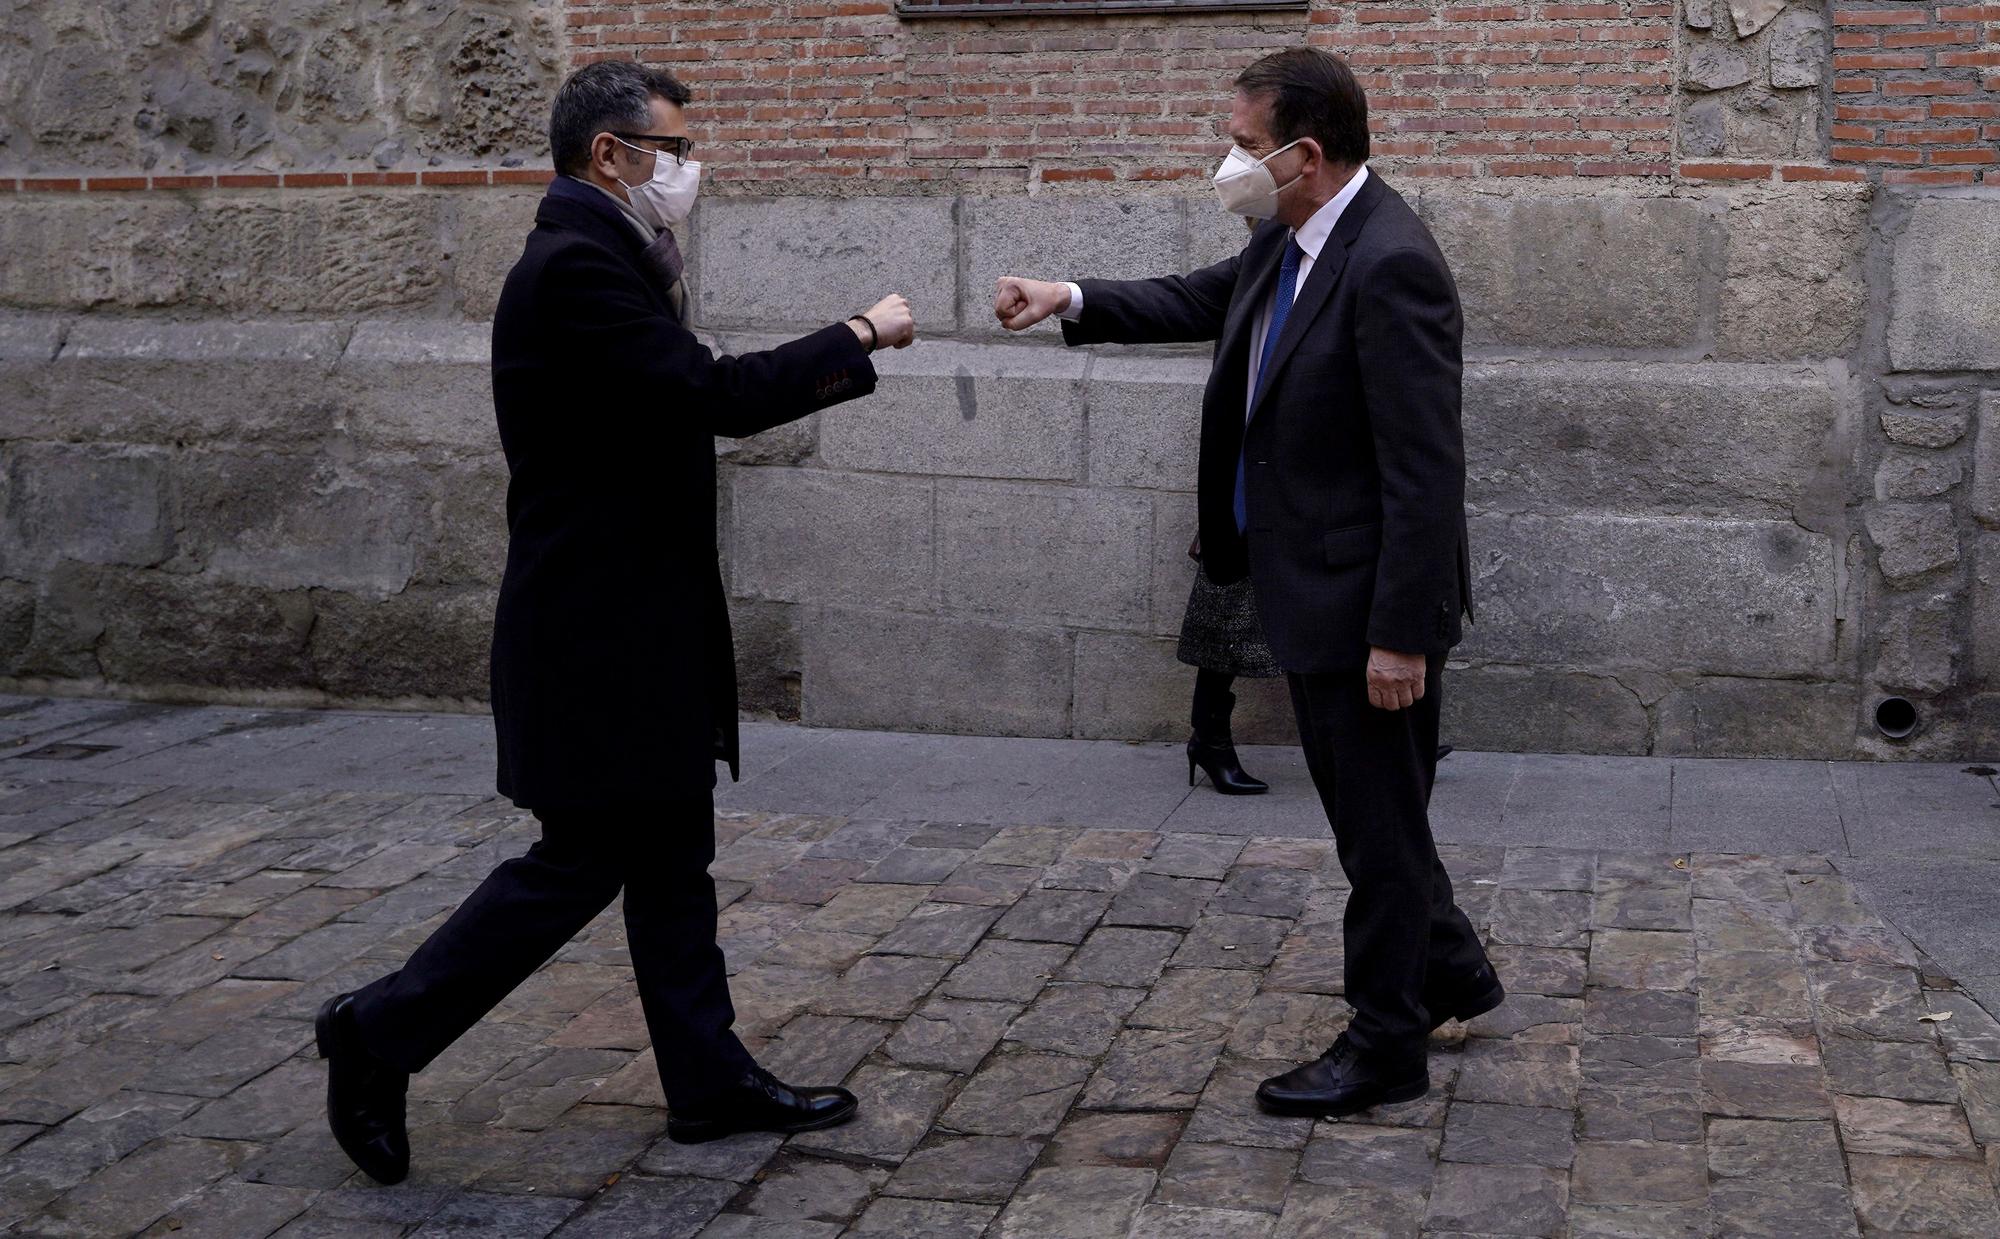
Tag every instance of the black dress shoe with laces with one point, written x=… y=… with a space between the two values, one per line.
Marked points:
x=761 y=1101
x=1343 y=1081
x=364 y=1096
x=1470 y=999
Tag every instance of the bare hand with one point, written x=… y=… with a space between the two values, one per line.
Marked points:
x=894 y=327
x=1019 y=304
x=1395 y=681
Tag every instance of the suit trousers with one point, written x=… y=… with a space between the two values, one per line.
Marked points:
x=529 y=907
x=1408 y=946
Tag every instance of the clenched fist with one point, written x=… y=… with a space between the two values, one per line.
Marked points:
x=1019 y=304
x=894 y=327
x=1395 y=681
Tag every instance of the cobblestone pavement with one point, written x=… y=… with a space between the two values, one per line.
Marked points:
x=1055 y=1031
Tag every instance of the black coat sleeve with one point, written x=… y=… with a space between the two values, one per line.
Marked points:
x=1407 y=347
x=1167 y=310
x=609 y=318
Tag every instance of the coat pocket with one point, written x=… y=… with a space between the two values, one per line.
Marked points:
x=1352 y=545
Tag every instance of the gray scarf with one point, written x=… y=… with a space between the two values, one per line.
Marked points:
x=661 y=257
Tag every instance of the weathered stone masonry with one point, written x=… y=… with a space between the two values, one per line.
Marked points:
x=1733 y=394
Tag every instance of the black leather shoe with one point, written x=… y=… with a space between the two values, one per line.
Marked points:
x=364 y=1096
x=1224 y=771
x=1444 y=751
x=761 y=1101
x=1478 y=994
x=1342 y=1081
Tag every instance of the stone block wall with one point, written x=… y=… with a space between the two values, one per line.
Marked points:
x=1732 y=402
x=140 y=88
x=1676 y=544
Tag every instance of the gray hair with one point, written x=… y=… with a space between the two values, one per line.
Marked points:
x=609 y=95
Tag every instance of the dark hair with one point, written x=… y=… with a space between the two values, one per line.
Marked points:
x=611 y=94
x=1312 y=94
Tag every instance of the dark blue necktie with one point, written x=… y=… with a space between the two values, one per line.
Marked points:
x=1281 y=309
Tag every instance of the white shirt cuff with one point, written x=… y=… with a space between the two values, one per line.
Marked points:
x=1075 y=310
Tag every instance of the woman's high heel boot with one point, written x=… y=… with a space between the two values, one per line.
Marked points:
x=1212 y=749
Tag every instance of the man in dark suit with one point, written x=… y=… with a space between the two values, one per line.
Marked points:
x=1333 y=473
x=614 y=689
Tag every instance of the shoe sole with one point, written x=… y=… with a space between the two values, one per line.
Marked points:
x=1388 y=1097
x=697 y=1131
x=1258 y=790
x=1479 y=1006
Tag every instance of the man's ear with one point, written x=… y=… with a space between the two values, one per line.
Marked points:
x=604 y=155
x=1316 y=156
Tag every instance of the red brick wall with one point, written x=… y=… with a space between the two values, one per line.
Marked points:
x=812 y=91
x=1917 y=90
x=921 y=8
x=810 y=96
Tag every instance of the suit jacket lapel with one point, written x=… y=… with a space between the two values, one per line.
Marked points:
x=1260 y=272
x=1326 y=271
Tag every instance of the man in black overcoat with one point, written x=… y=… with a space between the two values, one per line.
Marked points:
x=1332 y=472
x=614 y=689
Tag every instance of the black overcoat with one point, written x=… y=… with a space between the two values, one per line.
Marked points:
x=614 y=681
x=1354 y=456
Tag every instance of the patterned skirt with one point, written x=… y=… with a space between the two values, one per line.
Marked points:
x=1221 y=631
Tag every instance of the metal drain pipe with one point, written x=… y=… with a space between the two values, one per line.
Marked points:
x=1896 y=717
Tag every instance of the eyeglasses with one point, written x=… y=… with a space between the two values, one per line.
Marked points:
x=679 y=147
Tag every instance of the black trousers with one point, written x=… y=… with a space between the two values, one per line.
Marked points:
x=529 y=907
x=1408 y=945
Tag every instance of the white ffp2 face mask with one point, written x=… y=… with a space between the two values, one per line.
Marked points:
x=665 y=199
x=1247 y=187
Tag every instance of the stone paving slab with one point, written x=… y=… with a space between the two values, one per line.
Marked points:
x=1896 y=809
x=1055 y=1026
x=1077 y=963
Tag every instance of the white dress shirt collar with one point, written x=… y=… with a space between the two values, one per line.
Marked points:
x=1312 y=234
